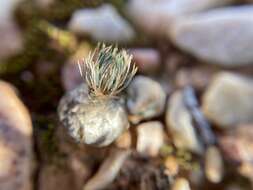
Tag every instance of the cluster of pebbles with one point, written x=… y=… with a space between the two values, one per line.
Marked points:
x=162 y=124
x=196 y=121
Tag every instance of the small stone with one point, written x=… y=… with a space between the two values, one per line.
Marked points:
x=147 y=60
x=108 y=170
x=155 y=17
x=146 y=145
x=11 y=42
x=171 y=165
x=180 y=124
x=11 y=39
x=228 y=100
x=223 y=36
x=125 y=140
x=181 y=184
x=214 y=168
x=102 y=24
x=146 y=99
x=96 y=123
x=246 y=169
x=197 y=177
x=237 y=144
x=15 y=141
x=197 y=77
x=203 y=126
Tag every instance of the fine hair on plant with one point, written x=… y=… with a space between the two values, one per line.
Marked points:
x=107 y=71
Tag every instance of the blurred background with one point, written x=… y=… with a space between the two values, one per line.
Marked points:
x=199 y=130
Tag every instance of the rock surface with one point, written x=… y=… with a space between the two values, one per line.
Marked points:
x=203 y=35
x=155 y=17
x=146 y=99
x=15 y=141
x=228 y=100
x=147 y=145
x=102 y=24
x=180 y=124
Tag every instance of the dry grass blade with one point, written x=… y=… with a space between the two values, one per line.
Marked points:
x=107 y=71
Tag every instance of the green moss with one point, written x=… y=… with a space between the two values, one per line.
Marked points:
x=37 y=47
x=118 y=4
x=34 y=42
x=44 y=129
x=62 y=9
x=47 y=139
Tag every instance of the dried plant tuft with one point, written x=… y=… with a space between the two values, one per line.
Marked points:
x=107 y=71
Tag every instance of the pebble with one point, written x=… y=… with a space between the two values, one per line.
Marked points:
x=237 y=144
x=96 y=123
x=237 y=147
x=180 y=124
x=214 y=167
x=146 y=99
x=154 y=17
x=202 y=35
x=15 y=141
x=196 y=177
x=246 y=169
x=11 y=38
x=203 y=126
x=197 y=77
x=146 y=145
x=125 y=140
x=171 y=165
x=181 y=184
x=108 y=171
x=147 y=60
x=102 y=24
x=228 y=100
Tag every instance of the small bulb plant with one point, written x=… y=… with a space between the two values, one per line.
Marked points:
x=94 y=113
